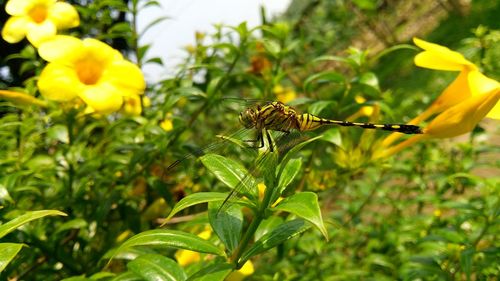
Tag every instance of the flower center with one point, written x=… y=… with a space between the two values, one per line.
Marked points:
x=38 y=13
x=89 y=70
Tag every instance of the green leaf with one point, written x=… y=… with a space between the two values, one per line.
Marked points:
x=72 y=224
x=102 y=275
x=333 y=136
x=322 y=77
x=170 y=238
x=151 y=24
x=214 y=272
x=7 y=252
x=291 y=170
x=227 y=224
x=154 y=267
x=294 y=150
x=195 y=199
x=304 y=205
x=25 y=218
x=279 y=235
x=228 y=171
x=466 y=257
x=267 y=226
x=127 y=276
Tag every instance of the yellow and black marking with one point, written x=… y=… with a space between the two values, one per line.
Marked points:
x=276 y=116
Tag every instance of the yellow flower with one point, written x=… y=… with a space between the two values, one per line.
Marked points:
x=38 y=20
x=455 y=121
x=186 y=257
x=466 y=101
x=21 y=98
x=261 y=187
x=88 y=69
x=242 y=273
x=167 y=124
x=134 y=105
x=284 y=94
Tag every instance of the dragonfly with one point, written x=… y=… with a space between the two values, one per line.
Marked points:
x=278 y=117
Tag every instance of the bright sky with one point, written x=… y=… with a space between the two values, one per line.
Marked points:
x=188 y=16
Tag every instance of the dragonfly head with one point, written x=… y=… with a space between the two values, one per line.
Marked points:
x=248 y=117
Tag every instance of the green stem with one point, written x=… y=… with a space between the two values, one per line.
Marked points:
x=246 y=240
x=259 y=216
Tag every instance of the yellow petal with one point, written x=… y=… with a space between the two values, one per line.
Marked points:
x=481 y=84
x=388 y=151
x=185 y=257
x=64 y=15
x=205 y=234
x=18 y=7
x=37 y=33
x=103 y=97
x=456 y=92
x=246 y=270
x=132 y=105
x=14 y=29
x=61 y=48
x=21 y=98
x=463 y=117
x=58 y=82
x=101 y=51
x=167 y=125
x=440 y=58
x=126 y=76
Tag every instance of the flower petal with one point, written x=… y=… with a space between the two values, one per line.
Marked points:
x=463 y=117
x=14 y=29
x=18 y=7
x=481 y=84
x=103 y=98
x=440 y=58
x=127 y=76
x=21 y=98
x=37 y=33
x=101 y=51
x=63 y=15
x=59 y=82
x=61 y=48
x=132 y=105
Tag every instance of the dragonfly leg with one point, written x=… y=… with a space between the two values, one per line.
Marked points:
x=259 y=140
x=269 y=140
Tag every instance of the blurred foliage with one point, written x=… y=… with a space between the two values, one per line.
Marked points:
x=430 y=213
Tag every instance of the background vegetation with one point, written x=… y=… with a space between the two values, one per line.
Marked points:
x=429 y=213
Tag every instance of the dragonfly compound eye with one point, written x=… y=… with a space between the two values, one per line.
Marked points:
x=247 y=118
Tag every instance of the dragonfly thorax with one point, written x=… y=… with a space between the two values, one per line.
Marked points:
x=248 y=117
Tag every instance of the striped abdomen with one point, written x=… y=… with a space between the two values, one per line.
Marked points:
x=309 y=122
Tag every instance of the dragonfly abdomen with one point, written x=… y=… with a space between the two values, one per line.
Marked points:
x=309 y=122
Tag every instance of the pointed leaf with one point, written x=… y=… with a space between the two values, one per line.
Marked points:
x=279 y=235
x=7 y=252
x=214 y=272
x=227 y=224
x=304 y=205
x=228 y=171
x=170 y=238
x=154 y=267
x=196 y=198
x=127 y=276
x=25 y=218
x=291 y=170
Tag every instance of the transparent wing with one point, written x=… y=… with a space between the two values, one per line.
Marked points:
x=248 y=186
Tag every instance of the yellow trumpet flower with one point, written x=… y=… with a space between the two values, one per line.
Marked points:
x=463 y=104
x=38 y=20
x=88 y=69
